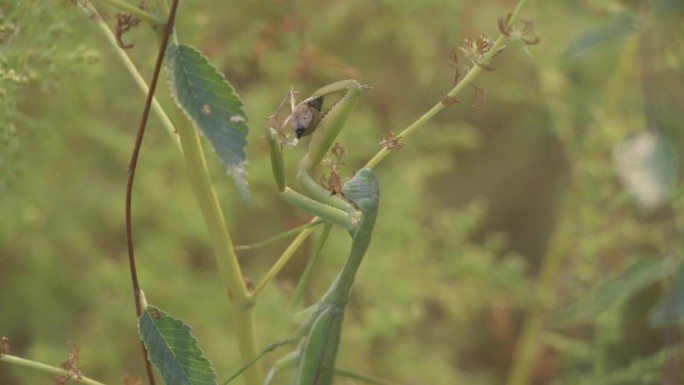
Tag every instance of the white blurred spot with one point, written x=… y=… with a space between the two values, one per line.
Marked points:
x=646 y=165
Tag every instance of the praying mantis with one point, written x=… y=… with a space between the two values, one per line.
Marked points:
x=319 y=335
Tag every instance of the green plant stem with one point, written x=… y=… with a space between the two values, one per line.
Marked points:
x=284 y=257
x=152 y=20
x=226 y=259
x=48 y=368
x=298 y=293
x=162 y=6
x=188 y=140
x=278 y=237
x=132 y=166
x=133 y=71
x=363 y=377
x=467 y=80
x=527 y=346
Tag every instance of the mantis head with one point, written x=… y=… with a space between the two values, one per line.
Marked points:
x=363 y=190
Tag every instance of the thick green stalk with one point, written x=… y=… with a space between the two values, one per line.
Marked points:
x=226 y=259
x=240 y=298
x=527 y=346
x=229 y=268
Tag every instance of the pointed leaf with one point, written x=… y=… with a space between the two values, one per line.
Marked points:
x=618 y=289
x=207 y=99
x=173 y=350
x=607 y=33
x=670 y=308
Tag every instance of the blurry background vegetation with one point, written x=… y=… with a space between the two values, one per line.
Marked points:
x=477 y=205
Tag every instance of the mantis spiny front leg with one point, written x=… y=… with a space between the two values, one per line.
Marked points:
x=307 y=119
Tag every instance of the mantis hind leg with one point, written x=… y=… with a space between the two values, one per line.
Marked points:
x=291 y=360
x=315 y=357
x=319 y=350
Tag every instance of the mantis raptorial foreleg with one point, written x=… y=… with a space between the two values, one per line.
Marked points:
x=356 y=211
x=306 y=119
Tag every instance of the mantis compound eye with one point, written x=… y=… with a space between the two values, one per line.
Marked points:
x=306 y=116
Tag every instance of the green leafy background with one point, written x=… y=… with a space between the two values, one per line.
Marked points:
x=471 y=208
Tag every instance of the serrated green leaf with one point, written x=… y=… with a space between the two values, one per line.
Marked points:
x=173 y=350
x=207 y=99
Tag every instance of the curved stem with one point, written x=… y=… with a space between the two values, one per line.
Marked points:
x=467 y=80
x=48 y=368
x=131 y=175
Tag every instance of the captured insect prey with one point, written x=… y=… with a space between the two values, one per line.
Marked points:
x=306 y=116
x=310 y=114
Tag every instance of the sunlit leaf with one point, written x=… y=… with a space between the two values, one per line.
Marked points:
x=205 y=96
x=173 y=350
x=668 y=5
x=618 y=289
x=647 y=166
x=609 y=32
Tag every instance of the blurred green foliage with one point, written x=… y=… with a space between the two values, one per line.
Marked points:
x=475 y=206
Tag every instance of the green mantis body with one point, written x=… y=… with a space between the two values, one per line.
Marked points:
x=320 y=333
